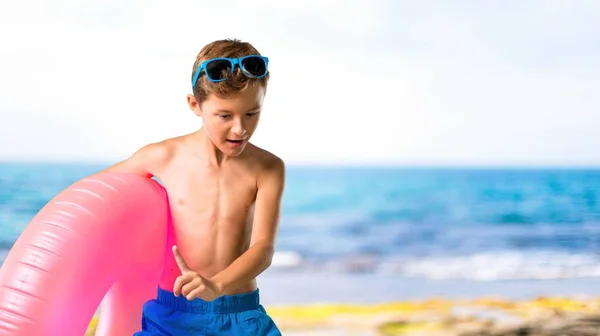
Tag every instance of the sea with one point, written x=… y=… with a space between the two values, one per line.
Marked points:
x=472 y=224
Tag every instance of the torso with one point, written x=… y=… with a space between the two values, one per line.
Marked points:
x=211 y=209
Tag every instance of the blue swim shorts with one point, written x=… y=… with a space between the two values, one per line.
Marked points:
x=238 y=314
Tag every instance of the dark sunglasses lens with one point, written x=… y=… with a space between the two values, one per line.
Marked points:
x=254 y=66
x=218 y=69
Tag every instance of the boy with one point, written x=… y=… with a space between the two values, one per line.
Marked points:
x=224 y=195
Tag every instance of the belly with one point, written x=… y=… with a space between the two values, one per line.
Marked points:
x=208 y=247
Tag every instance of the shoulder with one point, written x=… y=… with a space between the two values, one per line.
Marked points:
x=149 y=160
x=155 y=150
x=271 y=168
x=264 y=160
x=158 y=152
x=154 y=156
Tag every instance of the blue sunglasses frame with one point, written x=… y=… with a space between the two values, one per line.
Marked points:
x=234 y=62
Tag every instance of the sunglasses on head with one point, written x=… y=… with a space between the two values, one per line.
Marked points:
x=217 y=69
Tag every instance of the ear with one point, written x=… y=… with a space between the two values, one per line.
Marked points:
x=193 y=104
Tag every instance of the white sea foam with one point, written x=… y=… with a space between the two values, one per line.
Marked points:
x=509 y=265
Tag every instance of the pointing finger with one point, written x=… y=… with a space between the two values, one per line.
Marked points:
x=183 y=267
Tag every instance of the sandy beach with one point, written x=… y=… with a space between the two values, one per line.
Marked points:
x=303 y=304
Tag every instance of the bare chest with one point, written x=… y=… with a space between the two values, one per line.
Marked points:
x=204 y=197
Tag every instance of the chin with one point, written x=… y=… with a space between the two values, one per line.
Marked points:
x=234 y=151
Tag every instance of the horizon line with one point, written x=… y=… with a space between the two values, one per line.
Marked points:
x=345 y=164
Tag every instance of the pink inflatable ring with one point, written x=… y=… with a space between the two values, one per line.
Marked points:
x=101 y=240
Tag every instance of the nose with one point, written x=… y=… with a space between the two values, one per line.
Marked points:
x=239 y=129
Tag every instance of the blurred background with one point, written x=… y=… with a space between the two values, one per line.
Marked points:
x=434 y=149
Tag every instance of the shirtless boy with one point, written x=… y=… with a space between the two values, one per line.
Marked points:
x=225 y=196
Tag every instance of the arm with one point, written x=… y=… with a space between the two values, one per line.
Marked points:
x=146 y=161
x=264 y=230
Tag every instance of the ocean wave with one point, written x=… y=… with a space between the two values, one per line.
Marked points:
x=508 y=265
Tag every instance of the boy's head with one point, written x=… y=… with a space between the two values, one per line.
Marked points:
x=229 y=102
x=234 y=82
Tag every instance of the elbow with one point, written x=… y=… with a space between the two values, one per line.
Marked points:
x=268 y=254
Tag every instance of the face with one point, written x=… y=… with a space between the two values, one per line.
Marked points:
x=230 y=122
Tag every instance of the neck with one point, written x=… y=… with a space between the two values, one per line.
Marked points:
x=211 y=153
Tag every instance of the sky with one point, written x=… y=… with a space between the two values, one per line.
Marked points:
x=352 y=81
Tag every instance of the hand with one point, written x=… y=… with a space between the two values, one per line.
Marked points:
x=192 y=284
